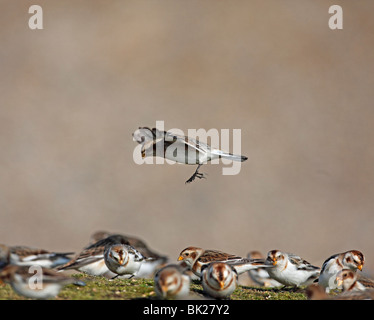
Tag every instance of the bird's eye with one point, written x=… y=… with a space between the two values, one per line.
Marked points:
x=186 y=254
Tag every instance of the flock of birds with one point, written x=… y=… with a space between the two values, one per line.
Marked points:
x=117 y=255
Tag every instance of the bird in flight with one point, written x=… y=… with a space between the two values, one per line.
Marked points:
x=181 y=149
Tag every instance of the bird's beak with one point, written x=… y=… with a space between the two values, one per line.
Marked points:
x=164 y=290
x=339 y=282
x=360 y=267
x=221 y=284
x=120 y=261
x=274 y=262
x=180 y=258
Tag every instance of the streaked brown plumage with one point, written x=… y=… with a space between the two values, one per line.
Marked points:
x=197 y=257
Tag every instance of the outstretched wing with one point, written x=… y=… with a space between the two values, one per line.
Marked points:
x=171 y=146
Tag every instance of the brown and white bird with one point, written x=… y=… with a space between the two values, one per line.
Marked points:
x=316 y=292
x=154 y=260
x=29 y=256
x=171 y=282
x=290 y=270
x=196 y=258
x=35 y=282
x=260 y=276
x=91 y=259
x=181 y=149
x=123 y=259
x=352 y=259
x=349 y=282
x=219 y=280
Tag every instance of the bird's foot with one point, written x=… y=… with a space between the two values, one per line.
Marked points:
x=196 y=175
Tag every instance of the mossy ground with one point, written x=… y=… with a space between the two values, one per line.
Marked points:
x=100 y=288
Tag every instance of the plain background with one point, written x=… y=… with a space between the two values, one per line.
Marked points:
x=73 y=93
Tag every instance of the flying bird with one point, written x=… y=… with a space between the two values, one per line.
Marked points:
x=181 y=149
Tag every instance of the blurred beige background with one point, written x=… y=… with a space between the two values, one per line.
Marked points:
x=302 y=94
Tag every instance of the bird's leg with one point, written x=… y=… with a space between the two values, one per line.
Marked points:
x=114 y=277
x=196 y=174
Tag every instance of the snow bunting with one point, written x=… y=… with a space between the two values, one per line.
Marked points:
x=24 y=281
x=219 y=280
x=260 y=276
x=123 y=259
x=154 y=259
x=188 y=271
x=352 y=259
x=91 y=259
x=181 y=149
x=290 y=269
x=172 y=283
x=195 y=258
x=28 y=256
x=347 y=280
x=365 y=281
x=316 y=292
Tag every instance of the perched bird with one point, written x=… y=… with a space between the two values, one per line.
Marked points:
x=219 y=280
x=196 y=258
x=123 y=259
x=137 y=243
x=171 y=282
x=188 y=271
x=181 y=149
x=154 y=259
x=42 y=284
x=347 y=280
x=365 y=281
x=352 y=259
x=316 y=292
x=28 y=256
x=290 y=270
x=91 y=259
x=260 y=276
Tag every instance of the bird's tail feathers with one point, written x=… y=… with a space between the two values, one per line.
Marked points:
x=230 y=156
